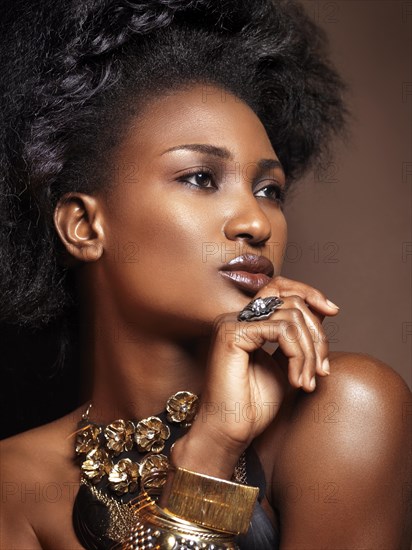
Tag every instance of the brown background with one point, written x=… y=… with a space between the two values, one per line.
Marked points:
x=350 y=221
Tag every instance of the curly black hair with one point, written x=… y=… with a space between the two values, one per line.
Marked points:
x=73 y=75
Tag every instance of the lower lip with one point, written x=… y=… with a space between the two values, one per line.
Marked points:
x=249 y=282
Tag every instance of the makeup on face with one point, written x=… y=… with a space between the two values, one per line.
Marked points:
x=201 y=214
x=248 y=272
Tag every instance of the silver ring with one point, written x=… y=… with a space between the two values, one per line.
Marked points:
x=259 y=308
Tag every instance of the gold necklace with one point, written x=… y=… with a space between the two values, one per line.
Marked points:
x=100 y=447
x=111 y=475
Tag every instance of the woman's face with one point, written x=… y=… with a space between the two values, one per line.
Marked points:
x=196 y=185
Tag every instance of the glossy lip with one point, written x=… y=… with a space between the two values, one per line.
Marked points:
x=249 y=272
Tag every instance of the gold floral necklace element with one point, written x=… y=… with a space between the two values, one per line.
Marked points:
x=99 y=446
x=115 y=458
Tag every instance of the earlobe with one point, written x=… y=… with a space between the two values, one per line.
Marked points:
x=78 y=221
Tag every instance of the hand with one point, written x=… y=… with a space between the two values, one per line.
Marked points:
x=307 y=309
x=244 y=385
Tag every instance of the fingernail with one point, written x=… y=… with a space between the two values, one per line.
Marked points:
x=300 y=381
x=326 y=366
x=331 y=304
x=312 y=383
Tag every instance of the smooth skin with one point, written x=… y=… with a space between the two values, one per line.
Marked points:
x=157 y=317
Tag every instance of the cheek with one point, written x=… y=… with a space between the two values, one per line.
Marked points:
x=170 y=239
x=165 y=238
x=166 y=272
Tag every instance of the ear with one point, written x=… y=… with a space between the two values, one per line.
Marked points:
x=78 y=221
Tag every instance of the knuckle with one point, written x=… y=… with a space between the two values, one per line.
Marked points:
x=218 y=321
x=296 y=301
x=230 y=345
x=296 y=314
x=278 y=284
x=291 y=330
x=283 y=325
x=222 y=320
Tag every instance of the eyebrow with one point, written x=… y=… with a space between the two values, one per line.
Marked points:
x=223 y=153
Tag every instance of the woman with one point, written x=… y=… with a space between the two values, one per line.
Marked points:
x=145 y=169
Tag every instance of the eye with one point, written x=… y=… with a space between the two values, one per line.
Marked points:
x=274 y=192
x=199 y=178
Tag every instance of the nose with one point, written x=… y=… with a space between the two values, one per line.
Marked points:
x=247 y=221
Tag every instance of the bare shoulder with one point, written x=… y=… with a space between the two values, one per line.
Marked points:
x=363 y=405
x=38 y=447
x=38 y=483
x=363 y=384
x=360 y=368
x=342 y=458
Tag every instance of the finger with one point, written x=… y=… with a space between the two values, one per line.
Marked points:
x=317 y=333
x=298 y=331
x=281 y=286
x=313 y=321
x=287 y=327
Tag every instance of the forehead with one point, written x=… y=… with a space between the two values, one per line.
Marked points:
x=197 y=114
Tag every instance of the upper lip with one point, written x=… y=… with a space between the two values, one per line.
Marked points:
x=251 y=263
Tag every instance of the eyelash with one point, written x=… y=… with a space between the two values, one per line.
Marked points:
x=278 y=190
x=183 y=179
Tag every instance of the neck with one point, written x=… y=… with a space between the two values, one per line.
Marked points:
x=133 y=377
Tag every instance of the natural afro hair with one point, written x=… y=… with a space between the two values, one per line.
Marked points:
x=73 y=75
